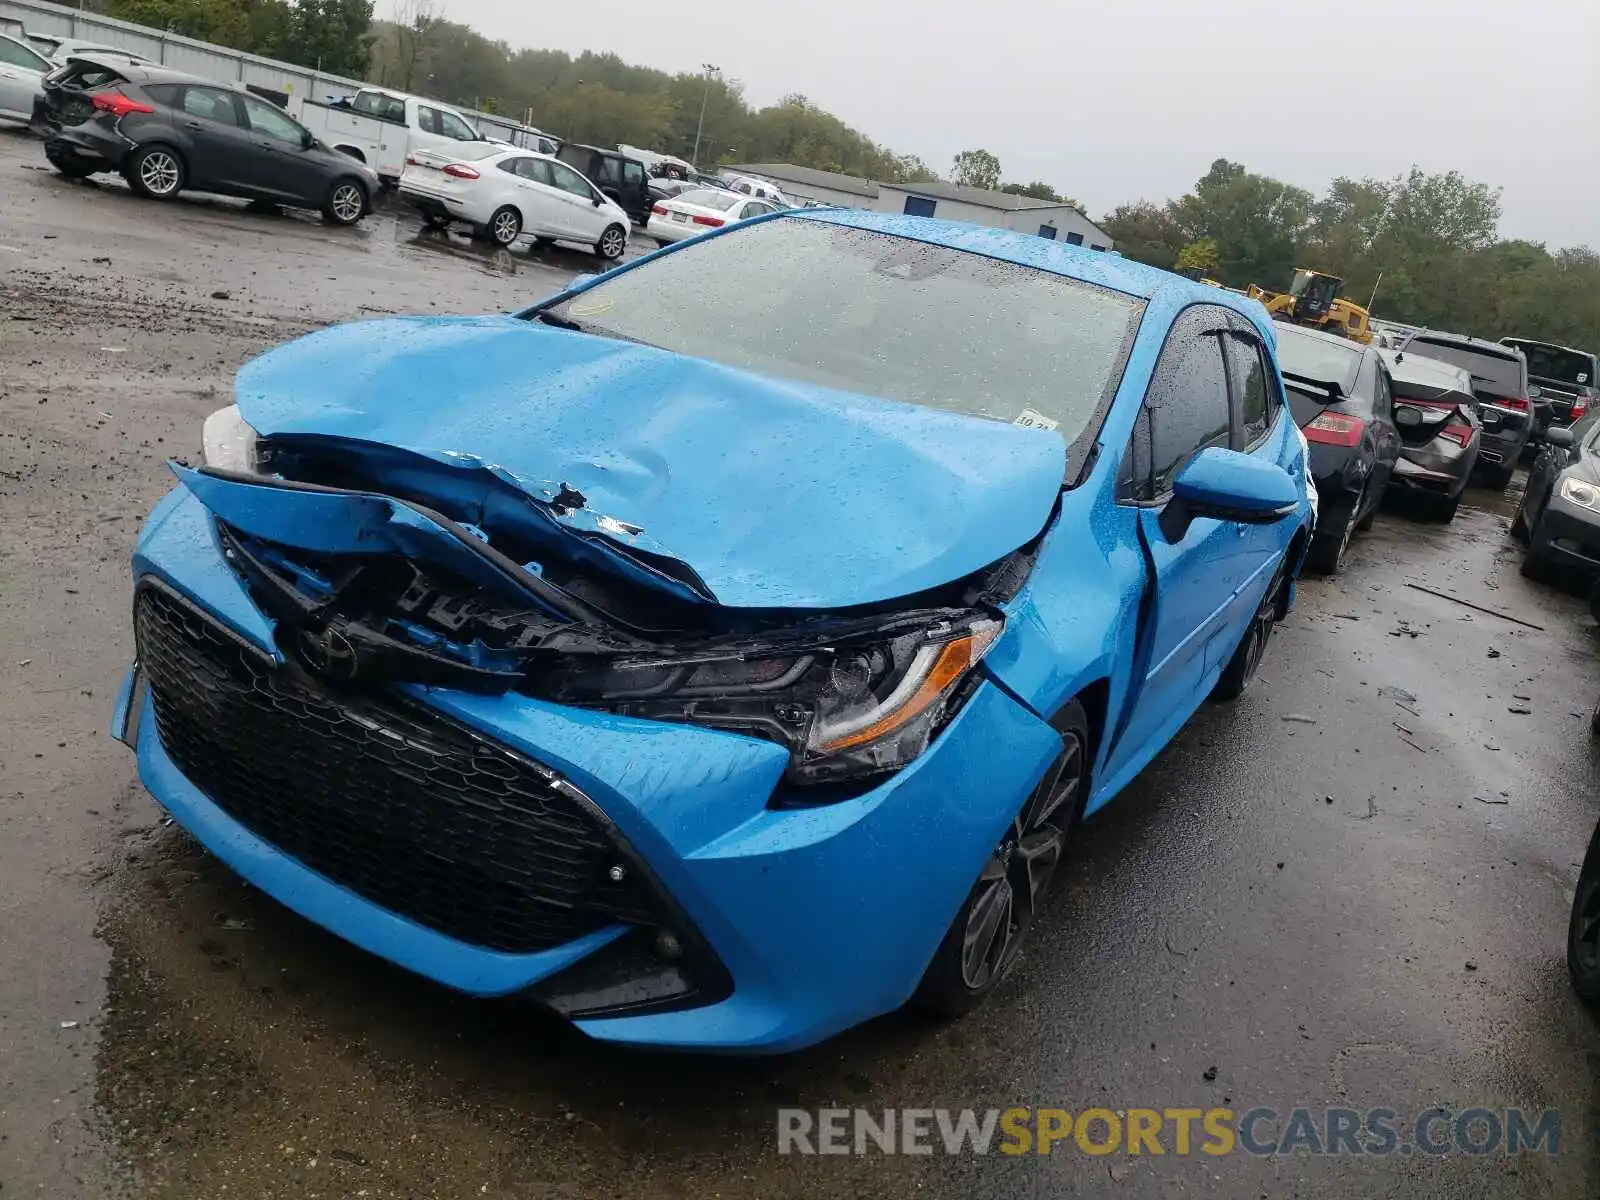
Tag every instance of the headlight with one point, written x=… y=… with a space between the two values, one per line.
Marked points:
x=1583 y=494
x=845 y=710
x=228 y=442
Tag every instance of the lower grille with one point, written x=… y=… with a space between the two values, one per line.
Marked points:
x=402 y=806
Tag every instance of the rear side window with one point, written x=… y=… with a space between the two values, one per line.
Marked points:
x=608 y=170
x=1250 y=383
x=210 y=104
x=1498 y=373
x=633 y=173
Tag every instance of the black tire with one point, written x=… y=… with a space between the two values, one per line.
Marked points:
x=1583 y=929
x=971 y=962
x=156 y=172
x=1328 y=546
x=612 y=244
x=1495 y=478
x=1241 y=668
x=1534 y=567
x=434 y=221
x=1444 y=508
x=346 y=202
x=505 y=226
x=1365 y=523
x=67 y=166
x=541 y=243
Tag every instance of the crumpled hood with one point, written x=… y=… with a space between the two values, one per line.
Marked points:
x=777 y=494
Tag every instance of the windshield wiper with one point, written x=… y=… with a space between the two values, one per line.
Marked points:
x=549 y=318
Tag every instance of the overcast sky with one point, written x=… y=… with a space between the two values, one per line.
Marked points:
x=1121 y=99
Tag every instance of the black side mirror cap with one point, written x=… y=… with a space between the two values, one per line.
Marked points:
x=1558 y=435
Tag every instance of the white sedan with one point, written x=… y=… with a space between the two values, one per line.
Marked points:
x=504 y=193
x=694 y=212
x=21 y=69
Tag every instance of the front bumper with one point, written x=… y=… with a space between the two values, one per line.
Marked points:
x=822 y=917
x=1568 y=534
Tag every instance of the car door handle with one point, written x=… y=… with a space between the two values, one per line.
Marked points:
x=192 y=125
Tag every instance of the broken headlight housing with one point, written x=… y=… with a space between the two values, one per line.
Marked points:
x=846 y=710
x=229 y=443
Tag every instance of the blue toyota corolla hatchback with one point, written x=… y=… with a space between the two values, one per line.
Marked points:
x=718 y=673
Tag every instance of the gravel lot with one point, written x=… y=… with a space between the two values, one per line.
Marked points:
x=1326 y=895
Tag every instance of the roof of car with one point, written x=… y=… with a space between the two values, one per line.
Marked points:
x=1077 y=262
x=1322 y=335
x=1462 y=339
x=1548 y=345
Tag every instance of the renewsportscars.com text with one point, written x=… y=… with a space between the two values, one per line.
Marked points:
x=1159 y=1131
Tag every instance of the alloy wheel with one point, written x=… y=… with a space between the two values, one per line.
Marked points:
x=612 y=243
x=159 y=173
x=506 y=228
x=1015 y=878
x=347 y=203
x=1261 y=626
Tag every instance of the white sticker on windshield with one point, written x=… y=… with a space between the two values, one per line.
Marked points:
x=1583 y=379
x=1031 y=419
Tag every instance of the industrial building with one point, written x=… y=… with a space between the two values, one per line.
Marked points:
x=1001 y=210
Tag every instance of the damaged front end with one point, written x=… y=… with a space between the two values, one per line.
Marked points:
x=383 y=567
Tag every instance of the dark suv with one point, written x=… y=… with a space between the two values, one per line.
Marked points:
x=1562 y=380
x=166 y=132
x=1499 y=385
x=622 y=178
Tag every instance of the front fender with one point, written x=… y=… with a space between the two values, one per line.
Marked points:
x=1074 y=623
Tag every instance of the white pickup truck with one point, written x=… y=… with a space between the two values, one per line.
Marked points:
x=381 y=127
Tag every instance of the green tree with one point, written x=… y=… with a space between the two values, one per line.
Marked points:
x=1258 y=222
x=1200 y=259
x=976 y=169
x=1146 y=233
x=330 y=35
x=1038 y=190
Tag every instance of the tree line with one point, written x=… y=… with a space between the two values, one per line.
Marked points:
x=1426 y=248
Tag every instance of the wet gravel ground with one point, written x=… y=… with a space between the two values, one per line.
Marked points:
x=1349 y=889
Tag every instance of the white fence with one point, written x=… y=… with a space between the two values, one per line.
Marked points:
x=196 y=57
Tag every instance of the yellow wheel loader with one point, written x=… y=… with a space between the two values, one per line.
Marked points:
x=1313 y=299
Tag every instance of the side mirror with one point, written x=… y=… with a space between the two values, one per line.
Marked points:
x=1558 y=435
x=598 y=200
x=307 y=139
x=1226 y=485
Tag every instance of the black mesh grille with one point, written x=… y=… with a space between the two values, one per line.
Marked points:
x=387 y=798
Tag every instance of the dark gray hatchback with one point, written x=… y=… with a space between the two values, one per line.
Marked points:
x=166 y=132
x=1500 y=386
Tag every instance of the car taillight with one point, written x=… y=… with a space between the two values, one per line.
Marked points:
x=118 y=105
x=1457 y=433
x=1518 y=403
x=659 y=210
x=1580 y=405
x=1335 y=429
x=461 y=172
x=711 y=221
x=413 y=161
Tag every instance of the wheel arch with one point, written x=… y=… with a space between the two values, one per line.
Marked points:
x=1295 y=556
x=354 y=152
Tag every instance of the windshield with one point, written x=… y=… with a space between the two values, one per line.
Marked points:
x=1501 y=375
x=882 y=315
x=1312 y=357
x=1557 y=363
